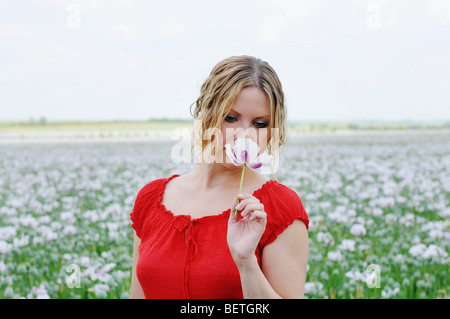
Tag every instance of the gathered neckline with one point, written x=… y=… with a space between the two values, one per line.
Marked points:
x=203 y=218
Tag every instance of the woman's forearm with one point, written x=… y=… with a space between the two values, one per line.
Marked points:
x=254 y=284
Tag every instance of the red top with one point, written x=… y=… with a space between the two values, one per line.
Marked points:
x=181 y=257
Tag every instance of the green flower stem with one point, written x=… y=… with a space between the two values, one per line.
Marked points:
x=240 y=187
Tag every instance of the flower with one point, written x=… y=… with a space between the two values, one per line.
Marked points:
x=326 y=238
x=20 y=242
x=7 y=232
x=417 y=250
x=5 y=247
x=347 y=244
x=313 y=287
x=358 y=230
x=99 y=272
x=434 y=251
x=69 y=230
x=387 y=292
x=100 y=290
x=38 y=293
x=50 y=235
x=334 y=255
x=356 y=275
x=245 y=152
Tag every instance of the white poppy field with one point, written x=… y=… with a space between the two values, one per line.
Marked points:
x=379 y=208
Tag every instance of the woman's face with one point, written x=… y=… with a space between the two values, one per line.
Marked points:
x=249 y=117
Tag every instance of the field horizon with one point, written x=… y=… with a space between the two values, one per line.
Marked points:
x=43 y=124
x=46 y=131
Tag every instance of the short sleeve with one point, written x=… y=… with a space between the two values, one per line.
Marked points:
x=135 y=215
x=283 y=206
x=146 y=198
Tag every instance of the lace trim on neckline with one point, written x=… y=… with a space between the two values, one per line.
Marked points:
x=203 y=218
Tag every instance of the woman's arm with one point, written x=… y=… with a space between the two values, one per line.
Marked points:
x=136 y=291
x=284 y=261
x=284 y=265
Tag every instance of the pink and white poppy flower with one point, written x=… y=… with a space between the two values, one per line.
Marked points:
x=245 y=152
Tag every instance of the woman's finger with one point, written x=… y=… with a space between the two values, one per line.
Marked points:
x=242 y=201
x=252 y=207
x=233 y=218
x=247 y=195
x=257 y=214
x=245 y=201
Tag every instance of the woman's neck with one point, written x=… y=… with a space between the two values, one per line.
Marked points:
x=214 y=175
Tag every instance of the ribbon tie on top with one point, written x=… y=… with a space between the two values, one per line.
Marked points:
x=183 y=223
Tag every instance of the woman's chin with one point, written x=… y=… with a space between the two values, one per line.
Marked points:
x=232 y=167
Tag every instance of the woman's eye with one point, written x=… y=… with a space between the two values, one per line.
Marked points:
x=261 y=124
x=258 y=124
x=230 y=119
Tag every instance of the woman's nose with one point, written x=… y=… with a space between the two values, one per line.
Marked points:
x=246 y=131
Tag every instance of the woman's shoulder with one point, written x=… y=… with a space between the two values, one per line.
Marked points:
x=154 y=187
x=274 y=189
x=146 y=199
x=282 y=204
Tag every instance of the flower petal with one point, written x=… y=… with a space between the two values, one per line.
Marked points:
x=246 y=144
x=266 y=162
x=255 y=166
x=265 y=159
x=244 y=156
x=231 y=155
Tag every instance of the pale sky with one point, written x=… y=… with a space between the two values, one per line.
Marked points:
x=135 y=60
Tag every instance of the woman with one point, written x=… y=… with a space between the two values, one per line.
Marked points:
x=188 y=241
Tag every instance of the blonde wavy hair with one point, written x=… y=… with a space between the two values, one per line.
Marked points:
x=219 y=93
